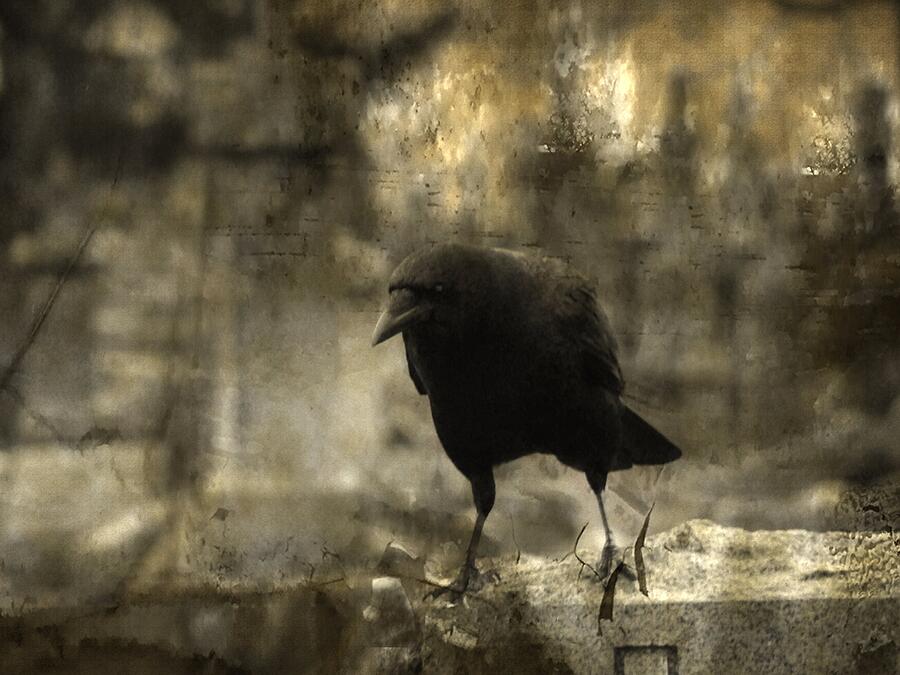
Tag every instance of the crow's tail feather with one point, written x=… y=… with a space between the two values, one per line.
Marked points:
x=644 y=444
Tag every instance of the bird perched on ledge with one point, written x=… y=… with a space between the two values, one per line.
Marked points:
x=516 y=357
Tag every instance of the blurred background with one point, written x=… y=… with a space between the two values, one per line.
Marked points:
x=202 y=202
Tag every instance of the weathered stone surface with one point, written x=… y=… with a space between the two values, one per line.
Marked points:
x=390 y=660
x=392 y=622
x=721 y=600
x=397 y=560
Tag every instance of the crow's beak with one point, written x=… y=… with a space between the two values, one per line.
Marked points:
x=402 y=313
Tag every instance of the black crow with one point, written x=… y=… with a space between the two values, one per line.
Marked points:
x=516 y=357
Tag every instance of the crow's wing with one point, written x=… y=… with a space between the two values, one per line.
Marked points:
x=587 y=329
x=413 y=375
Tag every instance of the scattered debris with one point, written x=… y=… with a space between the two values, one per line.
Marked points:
x=221 y=514
x=13 y=365
x=512 y=526
x=398 y=561
x=460 y=637
x=390 y=615
x=98 y=436
x=639 y=554
x=609 y=595
x=584 y=563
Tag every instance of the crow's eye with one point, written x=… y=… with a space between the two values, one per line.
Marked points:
x=439 y=288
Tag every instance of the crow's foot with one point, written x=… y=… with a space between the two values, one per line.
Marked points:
x=469 y=579
x=479 y=580
x=610 y=557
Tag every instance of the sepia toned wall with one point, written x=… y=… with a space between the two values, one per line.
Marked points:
x=203 y=395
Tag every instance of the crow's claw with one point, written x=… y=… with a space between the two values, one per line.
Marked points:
x=610 y=557
x=469 y=579
x=490 y=577
x=455 y=590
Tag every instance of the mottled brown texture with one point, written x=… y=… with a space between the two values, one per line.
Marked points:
x=254 y=170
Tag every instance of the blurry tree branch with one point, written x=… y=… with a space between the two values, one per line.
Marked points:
x=41 y=317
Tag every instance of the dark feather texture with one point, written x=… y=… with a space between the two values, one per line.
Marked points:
x=516 y=357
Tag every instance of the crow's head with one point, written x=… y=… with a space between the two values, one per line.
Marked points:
x=443 y=287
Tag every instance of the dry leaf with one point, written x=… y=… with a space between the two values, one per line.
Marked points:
x=639 y=554
x=609 y=593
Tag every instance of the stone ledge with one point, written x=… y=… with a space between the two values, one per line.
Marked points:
x=721 y=600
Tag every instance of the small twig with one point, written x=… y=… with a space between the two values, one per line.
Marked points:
x=515 y=541
x=639 y=555
x=39 y=320
x=312 y=571
x=449 y=589
x=584 y=563
x=318 y=584
x=327 y=552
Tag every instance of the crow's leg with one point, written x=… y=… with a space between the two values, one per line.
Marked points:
x=483 y=492
x=611 y=553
